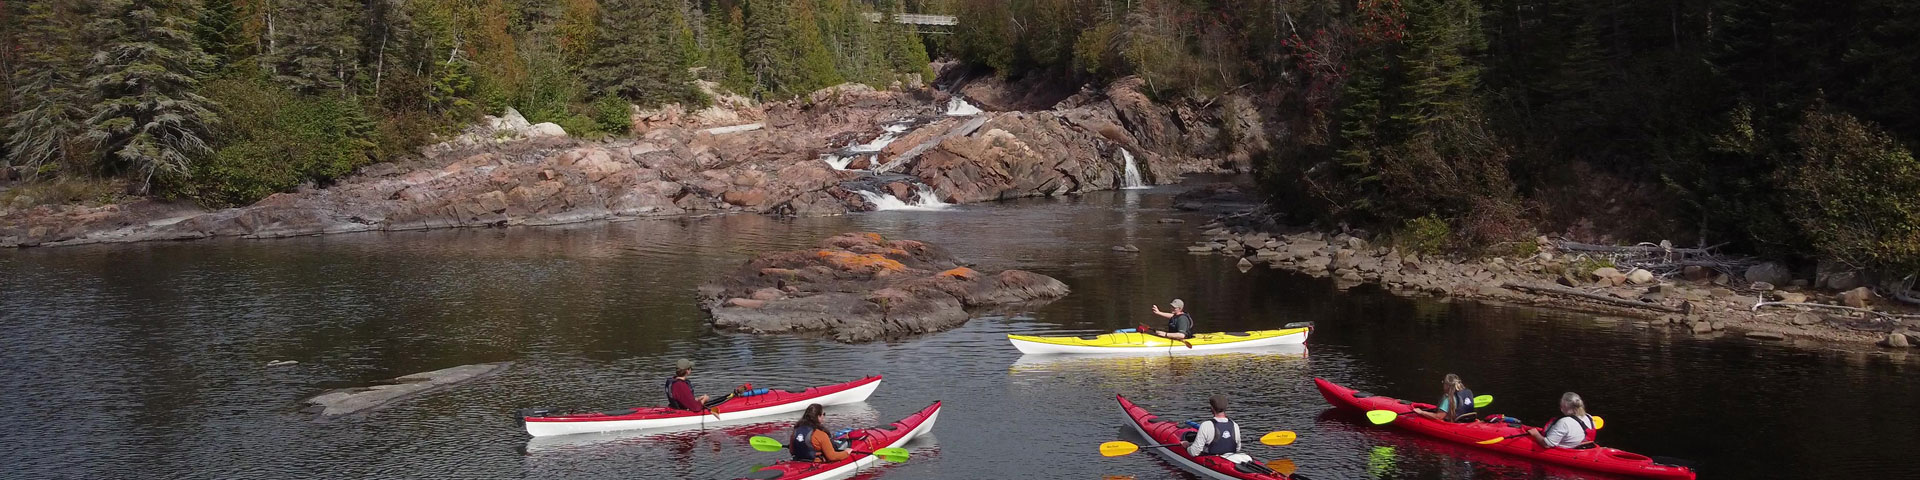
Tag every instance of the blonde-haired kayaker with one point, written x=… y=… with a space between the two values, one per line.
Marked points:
x=1456 y=402
x=1573 y=430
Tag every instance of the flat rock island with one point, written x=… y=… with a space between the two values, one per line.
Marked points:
x=860 y=287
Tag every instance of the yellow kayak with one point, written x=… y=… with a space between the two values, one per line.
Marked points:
x=1140 y=342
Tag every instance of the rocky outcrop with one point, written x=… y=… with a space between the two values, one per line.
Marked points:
x=359 y=399
x=859 y=287
x=506 y=172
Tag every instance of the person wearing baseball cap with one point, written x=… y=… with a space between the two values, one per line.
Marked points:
x=680 y=390
x=1179 y=324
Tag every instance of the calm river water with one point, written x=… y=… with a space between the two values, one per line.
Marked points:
x=148 y=360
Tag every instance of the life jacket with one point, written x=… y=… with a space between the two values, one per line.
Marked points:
x=803 y=444
x=1462 y=404
x=1586 y=429
x=1181 y=323
x=675 y=404
x=1222 y=442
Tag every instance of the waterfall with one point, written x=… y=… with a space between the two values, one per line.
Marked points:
x=958 y=107
x=925 y=199
x=838 y=162
x=1132 y=177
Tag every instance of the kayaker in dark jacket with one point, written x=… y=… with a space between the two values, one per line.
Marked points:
x=1179 y=324
x=1217 y=436
x=811 y=442
x=1456 y=402
x=680 y=390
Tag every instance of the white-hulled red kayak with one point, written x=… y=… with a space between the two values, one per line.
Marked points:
x=770 y=403
x=1599 y=459
x=1155 y=430
x=863 y=440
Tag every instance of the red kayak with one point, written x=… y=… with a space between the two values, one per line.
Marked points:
x=771 y=402
x=1156 y=430
x=1599 y=459
x=864 y=440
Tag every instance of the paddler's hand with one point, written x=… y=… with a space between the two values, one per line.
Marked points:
x=702 y=398
x=1156 y=309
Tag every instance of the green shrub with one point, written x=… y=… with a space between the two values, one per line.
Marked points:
x=277 y=139
x=1855 y=193
x=613 y=115
x=1426 y=235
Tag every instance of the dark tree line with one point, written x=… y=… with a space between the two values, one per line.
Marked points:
x=1784 y=126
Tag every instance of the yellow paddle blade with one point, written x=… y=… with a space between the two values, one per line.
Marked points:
x=1117 y=448
x=1492 y=441
x=765 y=444
x=1284 y=466
x=1482 y=401
x=1381 y=417
x=895 y=455
x=1282 y=437
x=1597 y=422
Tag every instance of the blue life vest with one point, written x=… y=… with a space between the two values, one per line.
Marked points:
x=1222 y=442
x=802 y=444
x=675 y=404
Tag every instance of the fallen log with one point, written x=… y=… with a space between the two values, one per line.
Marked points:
x=1890 y=316
x=1584 y=295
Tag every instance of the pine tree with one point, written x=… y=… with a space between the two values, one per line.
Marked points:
x=816 y=68
x=723 y=49
x=220 y=32
x=48 y=125
x=315 y=44
x=635 y=56
x=903 y=49
x=147 y=118
x=768 y=38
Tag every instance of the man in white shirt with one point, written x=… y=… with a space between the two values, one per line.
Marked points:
x=1217 y=436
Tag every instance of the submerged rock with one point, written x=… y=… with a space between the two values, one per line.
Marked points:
x=860 y=287
x=359 y=399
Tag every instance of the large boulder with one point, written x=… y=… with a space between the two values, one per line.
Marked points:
x=859 y=287
x=1769 y=272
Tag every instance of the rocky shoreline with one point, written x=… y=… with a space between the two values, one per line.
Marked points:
x=734 y=157
x=1699 y=301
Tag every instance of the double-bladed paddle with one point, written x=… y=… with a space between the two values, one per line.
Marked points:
x=1119 y=447
x=1596 y=426
x=891 y=454
x=1383 y=417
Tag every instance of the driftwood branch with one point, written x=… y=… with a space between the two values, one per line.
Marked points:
x=1584 y=295
x=1756 y=308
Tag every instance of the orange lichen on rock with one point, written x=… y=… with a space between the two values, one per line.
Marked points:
x=864 y=263
x=875 y=237
x=962 y=273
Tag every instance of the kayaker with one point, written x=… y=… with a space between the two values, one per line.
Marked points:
x=1456 y=402
x=1179 y=324
x=680 y=390
x=811 y=442
x=1573 y=430
x=1218 y=436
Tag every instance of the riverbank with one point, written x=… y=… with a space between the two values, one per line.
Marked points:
x=843 y=149
x=1560 y=274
